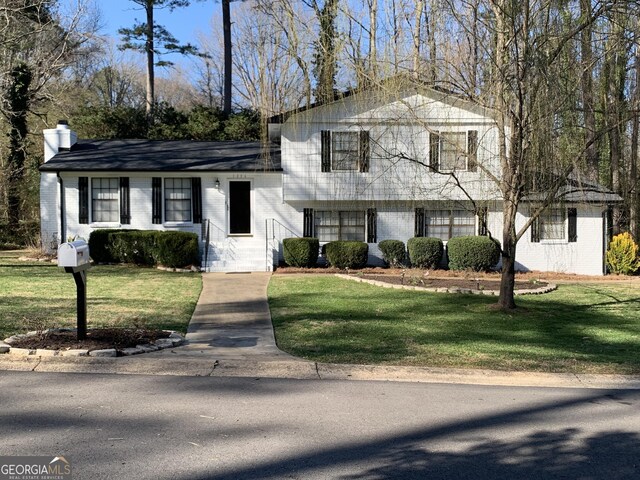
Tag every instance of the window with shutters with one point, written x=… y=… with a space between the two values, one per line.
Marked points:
x=177 y=199
x=344 y=151
x=345 y=225
x=552 y=224
x=446 y=224
x=105 y=193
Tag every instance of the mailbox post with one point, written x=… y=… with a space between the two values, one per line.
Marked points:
x=74 y=258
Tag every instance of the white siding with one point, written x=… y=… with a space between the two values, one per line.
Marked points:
x=585 y=256
x=227 y=253
x=49 y=211
x=399 y=131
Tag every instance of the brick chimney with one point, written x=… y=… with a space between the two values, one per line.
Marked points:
x=59 y=138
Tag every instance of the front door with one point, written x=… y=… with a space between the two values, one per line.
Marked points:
x=239 y=208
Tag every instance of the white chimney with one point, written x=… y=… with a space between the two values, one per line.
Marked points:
x=59 y=138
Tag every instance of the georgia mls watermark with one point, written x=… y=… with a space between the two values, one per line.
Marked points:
x=34 y=468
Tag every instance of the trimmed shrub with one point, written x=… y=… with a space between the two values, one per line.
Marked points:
x=393 y=252
x=144 y=247
x=473 y=253
x=347 y=254
x=301 y=252
x=622 y=255
x=177 y=249
x=99 y=245
x=133 y=246
x=425 y=252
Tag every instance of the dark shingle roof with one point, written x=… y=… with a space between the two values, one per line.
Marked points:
x=166 y=156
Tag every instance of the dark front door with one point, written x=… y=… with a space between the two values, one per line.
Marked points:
x=239 y=208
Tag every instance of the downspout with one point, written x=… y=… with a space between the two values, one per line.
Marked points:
x=63 y=227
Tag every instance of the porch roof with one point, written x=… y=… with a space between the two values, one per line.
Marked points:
x=165 y=156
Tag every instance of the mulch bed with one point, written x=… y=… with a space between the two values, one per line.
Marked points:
x=466 y=283
x=97 y=339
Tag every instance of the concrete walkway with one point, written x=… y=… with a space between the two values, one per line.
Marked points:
x=232 y=320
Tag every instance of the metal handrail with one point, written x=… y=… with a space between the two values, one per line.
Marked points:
x=272 y=237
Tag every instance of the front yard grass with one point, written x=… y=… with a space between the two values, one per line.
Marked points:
x=582 y=328
x=37 y=295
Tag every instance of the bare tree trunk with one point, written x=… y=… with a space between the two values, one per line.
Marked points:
x=373 y=40
x=149 y=48
x=417 y=29
x=226 y=29
x=431 y=41
x=588 y=102
x=634 y=222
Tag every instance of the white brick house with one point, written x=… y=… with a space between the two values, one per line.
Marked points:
x=362 y=168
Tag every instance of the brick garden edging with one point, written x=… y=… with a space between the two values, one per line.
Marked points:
x=174 y=340
x=533 y=291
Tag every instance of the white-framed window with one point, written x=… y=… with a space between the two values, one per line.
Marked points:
x=340 y=225
x=345 y=150
x=553 y=224
x=446 y=224
x=105 y=193
x=177 y=199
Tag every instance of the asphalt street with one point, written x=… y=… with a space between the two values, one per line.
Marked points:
x=170 y=427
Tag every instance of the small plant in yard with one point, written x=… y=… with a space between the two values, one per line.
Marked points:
x=622 y=256
x=425 y=252
x=301 y=252
x=393 y=252
x=473 y=253
x=347 y=254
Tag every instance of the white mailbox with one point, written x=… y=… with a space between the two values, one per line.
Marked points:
x=73 y=254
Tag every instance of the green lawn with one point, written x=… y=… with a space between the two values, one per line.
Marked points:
x=578 y=328
x=34 y=295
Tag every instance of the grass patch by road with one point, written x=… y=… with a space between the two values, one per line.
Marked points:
x=37 y=295
x=578 y=328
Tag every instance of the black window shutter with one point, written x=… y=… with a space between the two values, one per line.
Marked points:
x=307 y=227
x=156 y=187
x=535 y=230
x=196 y=199
x=472 y=150
x=125 y=209
x=419 y=228
x=372 y=226
x=325 y=150
x=83 y=199
x=482 y=221
x=365 y=151
x=434 y=151
x=572 y=215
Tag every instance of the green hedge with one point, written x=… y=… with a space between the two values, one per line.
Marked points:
x=473 y=253
x=425 y=252
x=347 y=254
x=144 y=247
x=301 y=252
x=393 y=252
x=177 y=249
x=134 y=246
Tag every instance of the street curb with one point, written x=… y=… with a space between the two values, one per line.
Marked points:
x=306 y=370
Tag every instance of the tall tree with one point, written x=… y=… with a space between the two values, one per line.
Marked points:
x=36 y=47
x=228 y=56
x=18 y=101
x=154 y=40
x=325 y=61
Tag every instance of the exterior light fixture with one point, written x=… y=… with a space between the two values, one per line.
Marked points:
x=217 y=184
